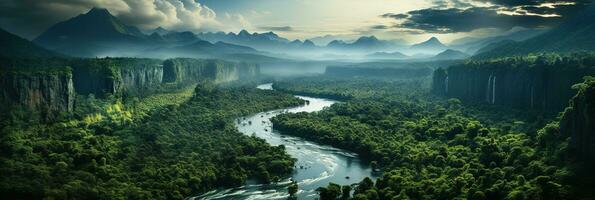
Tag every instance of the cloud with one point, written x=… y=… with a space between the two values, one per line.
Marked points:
x=277 y=28
x=395 y=16
x=30 y=17
x=505 y=15
x=379 y=27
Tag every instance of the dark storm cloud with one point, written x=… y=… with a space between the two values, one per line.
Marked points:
x=527 y=14
x=277 y=28
x=513 y=2
x=465 y=20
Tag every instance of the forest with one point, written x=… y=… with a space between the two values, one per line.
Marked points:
x=437 y=148
x=297 y=100
x=141 y=148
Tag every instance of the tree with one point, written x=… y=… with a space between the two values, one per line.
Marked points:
x=292 y=189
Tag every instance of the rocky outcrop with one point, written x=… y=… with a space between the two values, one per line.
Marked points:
x=53 y=89
x=48 y=93
x=578 y=122
x=537 y=83
x=248 y=70
x=119 y=76
x=439 y=82
x=184 y=70
x=141 y=79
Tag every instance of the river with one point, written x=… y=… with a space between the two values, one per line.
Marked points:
x=316 y=165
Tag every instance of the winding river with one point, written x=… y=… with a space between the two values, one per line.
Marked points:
x=316 y=165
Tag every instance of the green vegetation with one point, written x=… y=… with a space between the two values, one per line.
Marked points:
x=431 y=148
x=147 y=148
x=35 y=66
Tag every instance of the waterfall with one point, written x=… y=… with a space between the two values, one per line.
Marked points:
x=494 y=90
x=491 y=90
x=488 y=89
x=446 y=85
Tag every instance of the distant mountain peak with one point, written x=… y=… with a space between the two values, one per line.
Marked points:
x=434 y=40
x=244 y=32
x=367 y=38
x=99 y=12
x=308 y=43
x=432 y=44
x=160 y=30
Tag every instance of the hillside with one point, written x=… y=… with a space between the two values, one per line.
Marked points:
x=450 y=54
x=575 y=34
x=16 y=47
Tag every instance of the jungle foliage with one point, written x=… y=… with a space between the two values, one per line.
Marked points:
x=433 y=148
x=165 y=146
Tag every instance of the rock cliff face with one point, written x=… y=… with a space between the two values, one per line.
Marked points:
x=578 y=122
x=525 y=83
x=119 y=76
x=184 y=70
x=48 y=93
x=53 y=89
x=141 y=79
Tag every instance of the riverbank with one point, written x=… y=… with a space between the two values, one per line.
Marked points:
x=316 y=166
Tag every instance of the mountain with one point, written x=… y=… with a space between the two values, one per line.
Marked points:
x=97 y=33
x=450 y=54
x=160 y=30
x=362 y=44
x=324 y=40
x=180 y=38
x=432 y=45
x=268 y=41
x=472 y=45
x=308 y=44
x=13 y=46
x=387 y=56
x=89 y=34
x=575 y=34
x=200 y=49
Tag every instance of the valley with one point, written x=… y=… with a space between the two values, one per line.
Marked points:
x=177 y=99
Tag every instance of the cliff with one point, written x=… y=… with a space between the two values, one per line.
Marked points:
x=534 y=82
x=578 y=122
x=49 y=90
x=185 y=70
x=47 y=86
x=119 y=76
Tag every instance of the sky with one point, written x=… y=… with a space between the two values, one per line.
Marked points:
x=410 y=20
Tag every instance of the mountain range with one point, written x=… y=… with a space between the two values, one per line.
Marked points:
x=98 y=33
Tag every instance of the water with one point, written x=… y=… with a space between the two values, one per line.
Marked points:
x=316 y=165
